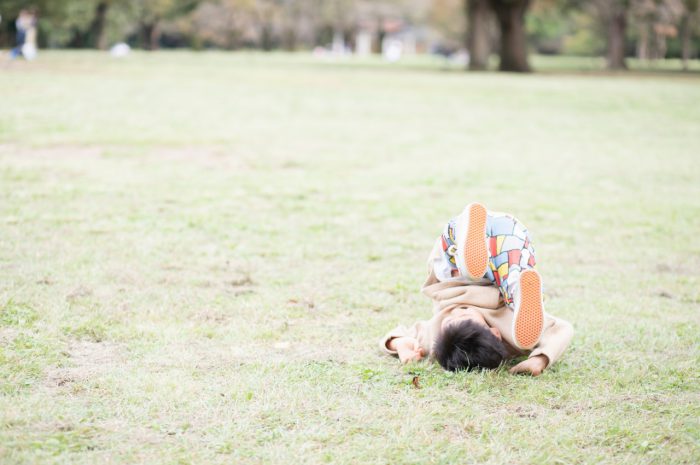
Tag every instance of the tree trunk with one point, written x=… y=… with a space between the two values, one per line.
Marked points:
x=155 y=37
x=511 y=20
x=97 y=28
x=289 y=38
x=685 y=40
x=381 y=33
x=77 y=40
x=643 y=42
x=478 y=44
x=659 y=45
x=150 y=35
x=617 y=27
x=266 y=37
x=146 y=30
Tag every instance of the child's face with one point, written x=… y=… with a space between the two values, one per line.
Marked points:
x=464 y=314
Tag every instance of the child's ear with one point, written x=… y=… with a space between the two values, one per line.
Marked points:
x=496 y=333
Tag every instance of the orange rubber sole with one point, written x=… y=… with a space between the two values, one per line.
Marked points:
x=476 y=255
x=529 y=319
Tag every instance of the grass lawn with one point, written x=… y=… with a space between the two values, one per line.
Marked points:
x=199 y=252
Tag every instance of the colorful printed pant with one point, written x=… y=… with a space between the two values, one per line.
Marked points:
x=510 y=252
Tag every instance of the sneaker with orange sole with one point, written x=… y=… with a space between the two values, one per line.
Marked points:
x=528 y=317
x=474 y=253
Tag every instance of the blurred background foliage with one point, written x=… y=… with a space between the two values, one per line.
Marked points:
x=648 y=29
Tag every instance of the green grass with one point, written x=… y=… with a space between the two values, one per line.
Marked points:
x=199 y=252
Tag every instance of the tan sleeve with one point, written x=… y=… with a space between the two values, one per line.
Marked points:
x=555 y=339
x=417 y=331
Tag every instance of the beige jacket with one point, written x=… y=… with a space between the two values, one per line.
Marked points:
x=454 y=296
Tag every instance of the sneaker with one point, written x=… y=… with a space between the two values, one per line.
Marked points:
x=528 y=317
x=473 y=254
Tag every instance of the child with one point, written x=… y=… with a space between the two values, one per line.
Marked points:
x=487 y=300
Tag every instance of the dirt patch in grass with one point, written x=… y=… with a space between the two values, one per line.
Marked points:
x=7 y=335
x=206 y=157
x=60 y=152
x=86 y=360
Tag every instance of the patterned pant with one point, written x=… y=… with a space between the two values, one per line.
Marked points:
x=510 y=252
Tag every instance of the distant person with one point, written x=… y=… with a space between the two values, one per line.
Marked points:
x=30 y=47
x=487 y=300
x=26 y=42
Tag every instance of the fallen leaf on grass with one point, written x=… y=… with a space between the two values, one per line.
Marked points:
x=414 y=381
x=308 y=303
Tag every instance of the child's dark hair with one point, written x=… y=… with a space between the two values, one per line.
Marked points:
x=467 y=345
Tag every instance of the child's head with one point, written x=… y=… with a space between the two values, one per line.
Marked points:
x=466 y=343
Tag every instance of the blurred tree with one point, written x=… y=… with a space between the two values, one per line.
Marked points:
x=288 y=24
x=226 y=24
x=689 y=20
x=293 y=16
x=510 y=16
x=267 y=17
x=150 y=14
x=644 y=15
x=547 y=24
x=97 y=28
x=377 y=17
x=478 y=33
x=63 y=22
x=448 y=19
x=586 y=36
x=613 y=27
x=613 y=14
x=89 y=31
x=511 y=20
x=9 y=9
x=655 y=21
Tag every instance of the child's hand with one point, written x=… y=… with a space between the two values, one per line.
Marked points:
x=407 y=348
x=533 y=365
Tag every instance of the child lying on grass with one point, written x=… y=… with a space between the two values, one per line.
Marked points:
x=487 y=300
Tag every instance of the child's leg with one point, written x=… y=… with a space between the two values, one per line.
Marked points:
x=465 y=236
x=475 y=251
x=464 y=246
x=528 y=311
x=511 y=268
